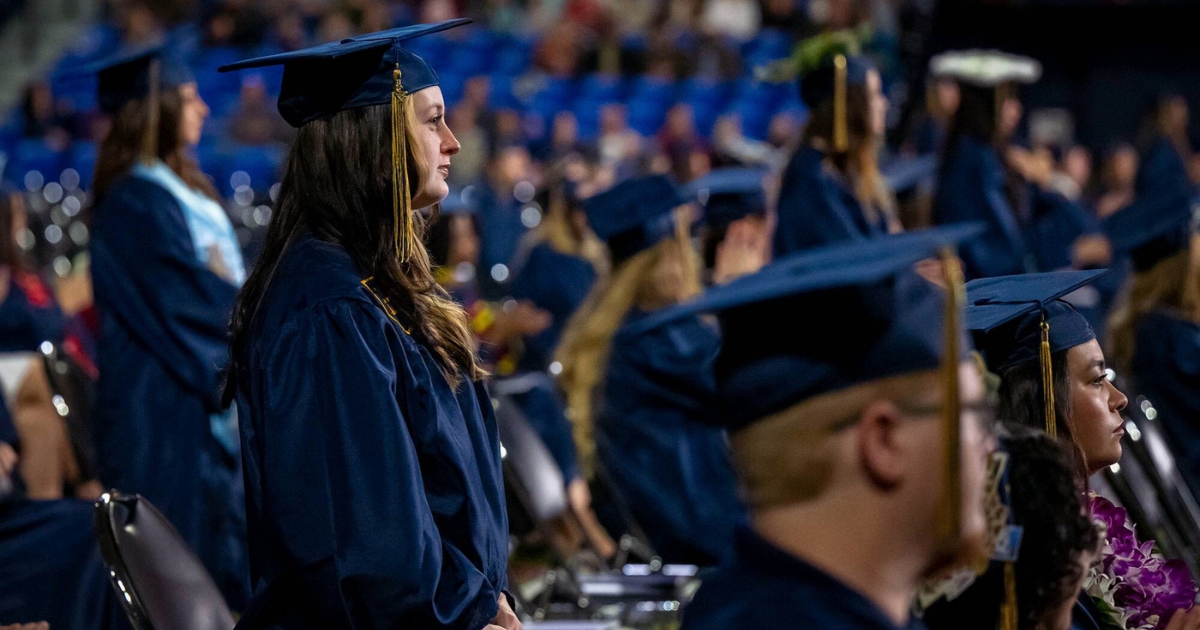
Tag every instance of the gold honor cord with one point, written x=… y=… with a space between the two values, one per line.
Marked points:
x=1048 y=381
x=951 y=423
x=401 y=196
x=841 y=140
x=149 y=150
x=1008 y=610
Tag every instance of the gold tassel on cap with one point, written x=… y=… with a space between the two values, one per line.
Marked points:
x=1048 y=382
x=405 y=239
x=1008 y=610
x=149 y=152
x=951 y=518
x=841 y=139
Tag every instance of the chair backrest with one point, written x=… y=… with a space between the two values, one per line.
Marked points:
x=74 y=395
x=534 y=471
x=161 y=583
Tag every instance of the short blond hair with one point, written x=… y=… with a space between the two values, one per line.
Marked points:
x=791 y=456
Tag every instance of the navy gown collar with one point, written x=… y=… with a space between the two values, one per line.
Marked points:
x=767 y=558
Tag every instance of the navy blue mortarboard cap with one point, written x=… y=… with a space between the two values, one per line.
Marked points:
x=729 y=194
x=1005 y=315
x=1153 y=229
x=823 y=320
x=634 y=215
x=125 y=76
x=819 y=84
x=351 y=73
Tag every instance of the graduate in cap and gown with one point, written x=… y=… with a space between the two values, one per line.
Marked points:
x=735 y=216
x=505 y=332
x=860 y=439
x=50 y=566
x=638 y=401
x=371 y=451
x=166 y=265
x=832 y=190
x=1053 y=374
x=1155 y=333
x=1044 y=545
x=983 y=178
x=555 y=268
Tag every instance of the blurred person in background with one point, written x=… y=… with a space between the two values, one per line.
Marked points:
x=50 y=566
x=983 y=176
x=501 y=197
x=1117 y=179
x=1154 y=330
x=516 y=336
x=832 y=189
x=29 y=317
x=1058 y=542
x=639 y=401
x=472 y=158
x=42 y=119
x=255 y=121
x=166 y=266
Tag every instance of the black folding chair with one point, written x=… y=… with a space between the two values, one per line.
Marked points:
x=160 y=582
x=537 y=496
x=74 y=395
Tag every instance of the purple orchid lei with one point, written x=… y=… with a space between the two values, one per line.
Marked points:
x=1133 y=584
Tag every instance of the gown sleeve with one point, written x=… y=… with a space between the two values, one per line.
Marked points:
x=147 y=276
x=342 y=480
x=975 y=192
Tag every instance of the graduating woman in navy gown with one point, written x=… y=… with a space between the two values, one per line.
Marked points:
x=983 y=178
x=166 y=265
x=1155 y=331
x=832 y=189
x=371 y=451
x=639 y=402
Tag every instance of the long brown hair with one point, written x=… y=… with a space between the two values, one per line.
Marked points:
x=860 y=162
x=1172 y=284
x=587 y=340
x=123 y=145
x=564 y=235
x=337 y=186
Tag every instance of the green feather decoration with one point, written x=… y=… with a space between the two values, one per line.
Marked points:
x=813 y=52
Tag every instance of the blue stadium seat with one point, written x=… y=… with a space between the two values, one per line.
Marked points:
x=214 y=57
x=32 y=154
x=652 y=89
x=646 y=116
x=601 y=87
x=261 y=162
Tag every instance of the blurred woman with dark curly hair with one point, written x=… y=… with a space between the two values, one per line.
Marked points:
x=1058 y=544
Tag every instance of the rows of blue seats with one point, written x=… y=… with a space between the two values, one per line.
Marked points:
x=504 y=59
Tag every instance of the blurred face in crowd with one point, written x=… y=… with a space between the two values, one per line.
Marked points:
x=1078 y=165
x=1096 y=406
x=435 y=144
x=464 y=242
x=1010 y=116
x=1122 y=168
x=877 y=102
x=947 y=97
x=193 y=111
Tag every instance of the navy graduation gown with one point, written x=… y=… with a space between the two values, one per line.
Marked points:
x=374 y=489
x=816 y=208
x=556 y=283
x=1166 y=368
x=971 y=188
x=1162 y=176
x=766 y=587
x=164 y=319
x=671 y=468
x=29 y=315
